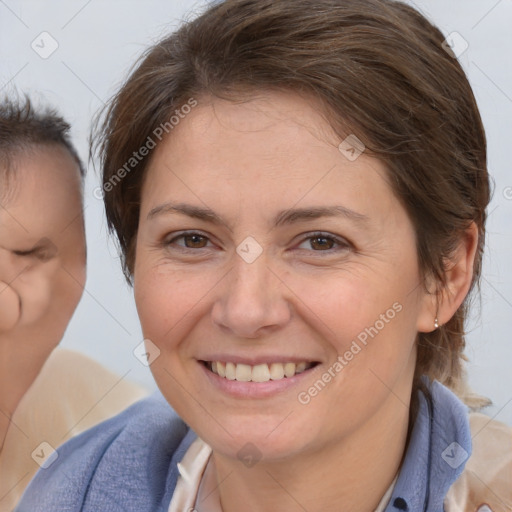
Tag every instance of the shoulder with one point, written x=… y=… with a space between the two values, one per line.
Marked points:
x=487 y=476
x=78 y=369
x=123 y=464
x=88 y=393
x=72 y=374
x=71 y=394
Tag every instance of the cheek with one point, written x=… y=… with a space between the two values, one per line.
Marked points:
x=367 y=320
x=377 y=348
x=68 y=281
x=344 y=304
x=76 y=267
x=9 y=307
x=168 y=302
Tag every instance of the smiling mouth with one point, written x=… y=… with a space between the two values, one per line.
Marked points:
x=258 y=373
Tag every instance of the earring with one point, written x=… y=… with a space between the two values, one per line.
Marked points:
x=436 y=323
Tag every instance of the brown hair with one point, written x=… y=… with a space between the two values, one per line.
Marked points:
x=380 y=70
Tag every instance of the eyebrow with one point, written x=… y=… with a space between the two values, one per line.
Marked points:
x=284 y=217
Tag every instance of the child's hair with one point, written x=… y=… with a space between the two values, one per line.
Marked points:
x=24 y=128
x=381 y=72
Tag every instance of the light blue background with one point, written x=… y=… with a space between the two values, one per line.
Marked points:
x=98 y=42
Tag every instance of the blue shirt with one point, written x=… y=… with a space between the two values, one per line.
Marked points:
x=129 y=463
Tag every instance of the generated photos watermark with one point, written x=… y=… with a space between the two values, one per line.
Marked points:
x=357 y=345
x=151 y=142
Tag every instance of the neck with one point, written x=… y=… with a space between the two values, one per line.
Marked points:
x=355 y=472
x=17 y=373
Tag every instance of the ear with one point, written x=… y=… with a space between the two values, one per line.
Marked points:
x=459 y=274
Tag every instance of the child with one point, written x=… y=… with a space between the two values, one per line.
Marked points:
x=46 y=396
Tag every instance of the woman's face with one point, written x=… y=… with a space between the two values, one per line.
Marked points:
x=42 y=249
x=263 y=249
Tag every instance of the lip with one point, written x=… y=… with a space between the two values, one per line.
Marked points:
x=253 y=390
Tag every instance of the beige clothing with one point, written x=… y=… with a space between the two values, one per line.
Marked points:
x=71 y=394
x=197 y=489
x=487 y=477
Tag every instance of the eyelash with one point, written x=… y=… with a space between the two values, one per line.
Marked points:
x=38 y=253
x=342 y=244
x=25 y=254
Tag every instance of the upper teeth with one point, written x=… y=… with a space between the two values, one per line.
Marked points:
x=257 y=373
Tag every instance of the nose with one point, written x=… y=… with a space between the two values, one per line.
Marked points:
x=251 y=301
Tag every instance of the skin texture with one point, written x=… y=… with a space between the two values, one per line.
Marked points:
x=42 y=266
x=303 y=298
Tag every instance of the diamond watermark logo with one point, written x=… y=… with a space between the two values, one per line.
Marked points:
x=249 y=455
x=249 y=250
x=455 y=455
x=352 y=147
x=146 y=352
x=45 y=455
x=45 y=45
x=455 y=45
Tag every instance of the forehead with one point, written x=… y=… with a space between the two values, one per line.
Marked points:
x=27 y=166
x=43 y=193
x=275 y=147
x=285 y=115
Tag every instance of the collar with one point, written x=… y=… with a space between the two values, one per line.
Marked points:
x=439 y=447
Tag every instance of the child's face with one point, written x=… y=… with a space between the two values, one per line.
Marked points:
x=42 y=249
x=253 y=285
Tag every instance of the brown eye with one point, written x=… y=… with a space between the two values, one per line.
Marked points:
x=188 y=241
x=321 y=243
x=195 y=241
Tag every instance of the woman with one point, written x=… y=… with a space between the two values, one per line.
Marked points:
x=299 y=191
x=46 y=396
